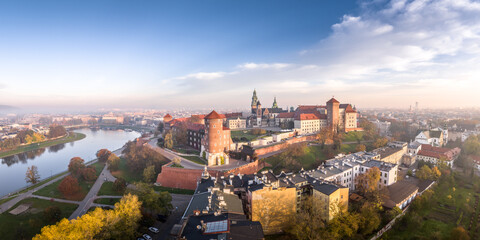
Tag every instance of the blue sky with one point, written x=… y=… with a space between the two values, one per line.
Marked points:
x=166 y=54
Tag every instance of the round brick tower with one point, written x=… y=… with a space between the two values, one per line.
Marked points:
x=216 y=140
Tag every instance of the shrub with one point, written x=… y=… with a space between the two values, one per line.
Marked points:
x=119 y=185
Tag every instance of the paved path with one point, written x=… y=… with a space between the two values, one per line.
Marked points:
x=56 y=199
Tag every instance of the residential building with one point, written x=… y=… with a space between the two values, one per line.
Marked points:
x=400 y=194
x=236 y=123
x=334 y=197
x=432 y=137
x=434 y=154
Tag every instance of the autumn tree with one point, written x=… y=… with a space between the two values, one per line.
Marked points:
x=56 y=131
x=180 y=134
x=69 y=186
x=151 y=200
x=113 y=162
x=88 y=174
x=149 y=174
x=471 y=146
x=76 y=165
x=103 y=154
x=459 y=233
x=367 y=185
x=119 y=223
x=369 y=129
x=369 y=218
x=139 y=157
x=32 y=176
x=380 y=142
x=168 y=143
x=309 y=223
x=360 y=148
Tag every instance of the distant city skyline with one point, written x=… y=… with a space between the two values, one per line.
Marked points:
x=213 y=54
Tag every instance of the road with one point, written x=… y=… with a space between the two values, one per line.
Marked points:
x=191 y=165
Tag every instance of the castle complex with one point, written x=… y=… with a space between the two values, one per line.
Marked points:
x=306 y=119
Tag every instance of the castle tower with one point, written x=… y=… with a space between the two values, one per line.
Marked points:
x=254 y=101
x=275 y=105
x=167 y=118
x=216 y=141
x=333 y=107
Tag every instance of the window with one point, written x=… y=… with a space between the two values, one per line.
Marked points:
x=385 y=181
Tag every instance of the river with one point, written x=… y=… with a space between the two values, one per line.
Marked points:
x=55 y=159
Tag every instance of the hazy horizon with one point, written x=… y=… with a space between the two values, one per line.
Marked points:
x=85 y=55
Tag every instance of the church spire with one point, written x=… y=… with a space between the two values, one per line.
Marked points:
x=254 y=98
x=275 y=105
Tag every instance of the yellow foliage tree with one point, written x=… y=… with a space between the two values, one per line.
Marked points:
x=119 y=223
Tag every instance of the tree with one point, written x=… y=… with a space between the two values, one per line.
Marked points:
x=156 y=202
x=180 y=134
x=424 y=173
x=88 y=174
x=380 y=142
x=308 y=220
x=56 y=131
x=369 y=219
x=69 y=186
x=471 y=146
x=177 y=161
x=52 y=213
x=149 y=174
x=119 y=185
x=32 y=175
x=113 y=162
x=367 y=184
x=119 y=223
x=360 y=148
x=139 y=157
x=369 y=129
x=103 y=154
x=76 y=164
x=168 y=140
x=459 y=233
x=160 y=127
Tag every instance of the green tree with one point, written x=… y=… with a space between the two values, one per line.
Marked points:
x=369 y=219
x=52 y=213
x=160 y=127
x=119 y=185
x=76 y=165
x=471 y=146
x=32 y=176
x=360 y=148
x=380 y=142
x=309 y=224
x=149 y=174
x=113 y=162
x=424 y=173
x=156 y=202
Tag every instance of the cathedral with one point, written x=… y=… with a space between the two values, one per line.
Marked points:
x=263 y=116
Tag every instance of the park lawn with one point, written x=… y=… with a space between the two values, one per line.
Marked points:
x=174 y=190
x=186 y=151
x=70 y=138
x=107 y=201
x=52 y=191
x=125 y=172
x=26 y=225
x=196 y=159
x=2 y=201
x=107 y=189
x=348 y=148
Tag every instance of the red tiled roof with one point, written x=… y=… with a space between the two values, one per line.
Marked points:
x=195 y=127
x=233 y=114
x=167 y=116
x=200 y=116
x=214 y=115
x=304 y=108
x=310 y=116
x=333 y=100
x=476 y=159
x=286 y=115
x=349 y=109
x=438 y=152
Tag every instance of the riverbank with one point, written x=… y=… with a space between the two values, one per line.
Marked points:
x=72 y=136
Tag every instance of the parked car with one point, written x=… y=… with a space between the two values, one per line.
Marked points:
x=153 y=229
x=140 y=238
x=147 y=237
x=161 y=218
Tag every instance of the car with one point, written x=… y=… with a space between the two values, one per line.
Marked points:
x=140 y=238
x=161 y=218
x=147 y=237
x=153 y=229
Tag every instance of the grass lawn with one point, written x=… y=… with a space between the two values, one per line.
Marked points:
x=107 y=201
x=70 y=138
x=107 y=189
x=348 y=148
x=307 y=160
x=196 y=159
x=353 y=136
x=53 y=192
x=186 y=151
x=174 y=190
x=2 y=201
x=125 y=173
x=244 y=133
x=26 y=225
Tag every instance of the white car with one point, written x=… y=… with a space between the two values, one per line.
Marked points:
x=147 y=237
x=153 y=229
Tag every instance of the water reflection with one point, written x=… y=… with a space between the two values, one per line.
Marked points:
x=56 y=148
x=23 y=157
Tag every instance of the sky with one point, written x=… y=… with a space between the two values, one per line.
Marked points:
x=214 y=53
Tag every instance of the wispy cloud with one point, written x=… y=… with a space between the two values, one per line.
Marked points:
x=253 y=66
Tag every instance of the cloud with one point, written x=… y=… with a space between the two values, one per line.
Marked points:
x=402 y=51
x=253 y=66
